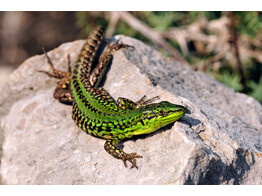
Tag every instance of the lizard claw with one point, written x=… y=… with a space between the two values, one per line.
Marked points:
x=131 y=158
x=144 y=102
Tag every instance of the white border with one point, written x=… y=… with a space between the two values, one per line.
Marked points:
x=131 y=5
x=126 y=190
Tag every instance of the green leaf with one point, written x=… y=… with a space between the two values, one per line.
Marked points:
x=231 y=80
x=249 y=23
x=256 y=89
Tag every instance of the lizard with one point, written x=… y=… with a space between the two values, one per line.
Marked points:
x=96 y=112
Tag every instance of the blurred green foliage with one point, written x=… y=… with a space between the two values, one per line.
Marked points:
x=256 y=89
x=247 y=23
x=86 y=21
x=230 y=79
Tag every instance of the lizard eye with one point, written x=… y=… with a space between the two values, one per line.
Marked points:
x=161 y=113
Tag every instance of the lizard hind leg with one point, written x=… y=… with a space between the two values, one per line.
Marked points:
x=110 y=147
x=105 y=58
x=55 y=72
x=62 y=91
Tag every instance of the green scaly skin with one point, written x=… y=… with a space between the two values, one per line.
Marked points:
x=95 y=111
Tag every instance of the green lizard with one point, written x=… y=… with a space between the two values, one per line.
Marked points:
x=96 y=112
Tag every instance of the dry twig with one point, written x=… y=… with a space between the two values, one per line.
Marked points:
x=235 y=44
x=114 y=18
x=150 y=33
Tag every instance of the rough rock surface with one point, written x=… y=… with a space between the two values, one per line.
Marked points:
x=218 y=141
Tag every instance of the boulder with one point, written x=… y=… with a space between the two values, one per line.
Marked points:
x=218 y=141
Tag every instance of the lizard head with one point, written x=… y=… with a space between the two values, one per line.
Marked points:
x=157 y=115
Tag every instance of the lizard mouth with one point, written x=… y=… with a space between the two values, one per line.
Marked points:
x=174 y=116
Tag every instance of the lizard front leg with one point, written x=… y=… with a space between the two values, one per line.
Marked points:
x=112 y=149
x=124 y=103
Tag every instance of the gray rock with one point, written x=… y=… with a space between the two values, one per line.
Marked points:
x=218 y=141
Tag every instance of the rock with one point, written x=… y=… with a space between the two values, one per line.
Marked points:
x=218 y=141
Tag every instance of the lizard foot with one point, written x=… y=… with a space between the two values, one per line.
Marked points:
x=144 y=102
x=131 y=158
